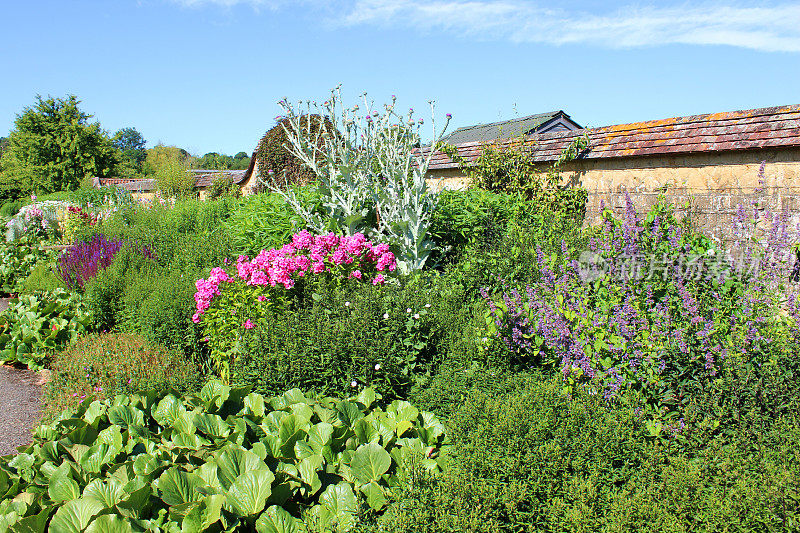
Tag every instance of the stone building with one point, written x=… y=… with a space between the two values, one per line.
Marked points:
x=707 y=164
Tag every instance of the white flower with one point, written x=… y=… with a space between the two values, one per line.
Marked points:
x=408 y=310
x=427 y=306
x=353 y=383
x=710 y=251
x=416 y=316
x=385 y=315
x=378 y=366
x=347 y=304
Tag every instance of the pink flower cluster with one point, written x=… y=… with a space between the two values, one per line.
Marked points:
x=306 y=254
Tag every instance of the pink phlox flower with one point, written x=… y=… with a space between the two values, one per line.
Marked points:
x=262 y=298
x=338 y=257
x=379 y=279
x=355 y=274
x=259 y=278
x=247 y=324
x=302 y=240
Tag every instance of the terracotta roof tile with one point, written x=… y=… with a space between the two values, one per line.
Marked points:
x=769 y=127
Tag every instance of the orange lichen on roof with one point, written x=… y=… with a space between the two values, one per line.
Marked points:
x=770 y=127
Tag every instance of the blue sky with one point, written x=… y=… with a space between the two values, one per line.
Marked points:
x=206 y=75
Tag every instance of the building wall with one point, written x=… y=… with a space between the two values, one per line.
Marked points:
x=709 y=186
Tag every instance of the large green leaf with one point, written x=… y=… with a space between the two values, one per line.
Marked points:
x=110 y=523
x=169 y=409
x=278 y=520
x=203 y=515
x=338 y=506
x=212 y=425
x=178 y=486
x=32 y=524
x=308 y=469
x=107 y=494
x=370 y=462
x=74 y=516
x=125 y=415
x=63 y=489
x=366 y=431
x=375 y=495
x=234 y=461
x=97 y=456
x=349 y=412
x=135 y=504
x=254 y=404
x=249 y=492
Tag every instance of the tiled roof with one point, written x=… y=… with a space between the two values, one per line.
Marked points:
x=204 y=178
x=505 y=129
x=769 y=127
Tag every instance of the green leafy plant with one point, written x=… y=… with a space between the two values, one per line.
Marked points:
x=263 y=221
x=370 y=175
x=219 y=460
x=508 y=168
x=35 y=325
x=17 y=259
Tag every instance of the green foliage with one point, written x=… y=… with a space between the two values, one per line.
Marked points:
x=154 y=297
x=42 y=278
x=34 y=325
x=215 y=161
x=528 y=457
x=53 y=147
x=105 y=365
x=220 y=460
x=510 y=169
x=387 y=337
x=131 y=146
x=276 y=165
x=263 y=221
x=173 y=179
x=223 y=186
x=17 y=259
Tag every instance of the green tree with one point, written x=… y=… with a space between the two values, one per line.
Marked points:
x=53 y=147
x=131 y=146
x=169 y=166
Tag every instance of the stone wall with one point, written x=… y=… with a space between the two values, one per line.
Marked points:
x=709 y=185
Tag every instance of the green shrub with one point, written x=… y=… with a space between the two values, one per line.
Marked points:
x=153 y=297
x=508 y=251
x=387 y=337
x=276 y=165
x=222 y=186
x=105 y=365
x=528 y=457
x=160 y=307
x=264 y=221
x=222 y=460
x=35 y=325
x=42 y=278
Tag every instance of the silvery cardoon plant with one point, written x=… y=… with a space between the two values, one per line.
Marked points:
x=368 y=166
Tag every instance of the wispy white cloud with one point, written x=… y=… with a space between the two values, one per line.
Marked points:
x=771 y=28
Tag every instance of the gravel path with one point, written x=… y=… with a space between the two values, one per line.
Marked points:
x=20 y=403
x=20 y=406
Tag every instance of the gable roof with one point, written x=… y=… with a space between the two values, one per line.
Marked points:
x=202 y=178
x=769 y=127
x=507 y=129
